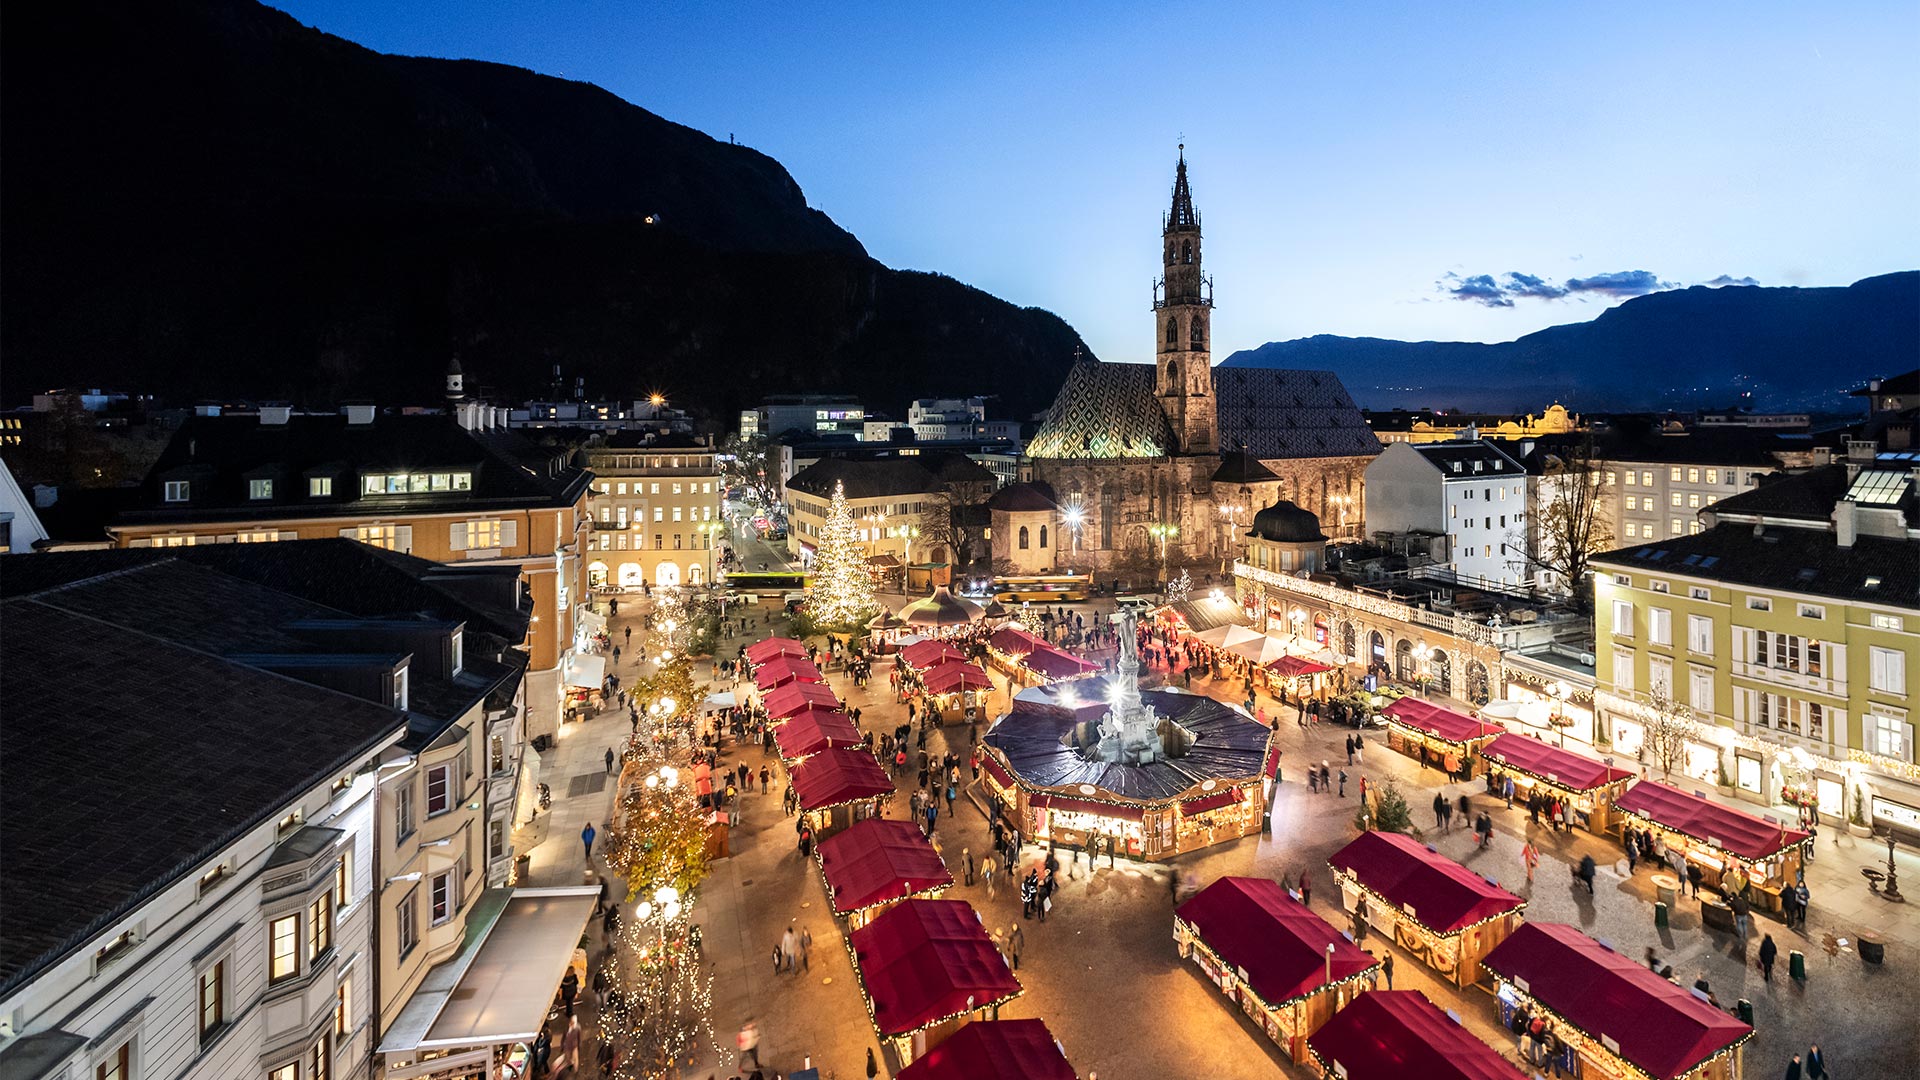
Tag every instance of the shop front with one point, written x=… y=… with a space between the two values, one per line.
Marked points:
x=1717 y=837
x=1538 y=769
x=1568 y=715
x=1438 y=737
x=1443 y=914
x=1072 y=821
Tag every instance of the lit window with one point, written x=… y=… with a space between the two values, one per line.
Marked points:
x=463 y=481
x=259 y=489
x=483 y=534
x=177 y=490
x=1812 y=611
x=320 y=1060
x=319 y=925
x=1888 y=622
x=213 y=999
x=386 y=537
x=284 y=959
x=1646 y=478
x=119 y=1064
x=289 y=1071
x=1693 y=476
x=343 y=1007
x=1673 y=473
x=343 y=880
x=1713 y=476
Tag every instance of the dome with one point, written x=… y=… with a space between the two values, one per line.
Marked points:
x=1285 y=523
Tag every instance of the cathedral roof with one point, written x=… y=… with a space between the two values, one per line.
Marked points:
x=1284 y=413
x=1104 y=411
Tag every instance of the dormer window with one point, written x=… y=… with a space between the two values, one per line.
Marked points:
x=259 y=489
x=319 y=487
x=177 y=490
x=459 y=650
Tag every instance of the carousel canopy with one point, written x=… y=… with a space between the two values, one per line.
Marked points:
x=762 y=651
x=1556 y=765
x=1659 y=1027
x=925 y=960
x=1254 y=926
x=835 y=777
x=1430 y=888
x=1393 y=1034
x=794 y=696
x=1288 y=667
x=954 y=676
x=994 y=1050
x=1733 y=831
x=810 y=731
x=941 y=609
x=1444 y=724
x=1206 y=613
x=785 y=669
x=877 y=860
x=924 y=654
x=886 y=620
x=996 y=610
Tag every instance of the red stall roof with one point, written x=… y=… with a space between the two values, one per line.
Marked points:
x=810 y=731
x=950 y=676
x=1658 y=1026
x=1211 y=802
x=922 y=959
x=998 y=770
x=1555 y=765
x=1396 y=1034
x=762 y=651
x=924 y=654
x=993 y=1050
x=1445 y=897
x=833 y=777
x=1438 y=722
x=1254 y=925
x=1055 y=664
x=793 y=697
x=785 y=669
x=879 y=859
x=1013 y=641
x=1289 y=666
x=1722 y=826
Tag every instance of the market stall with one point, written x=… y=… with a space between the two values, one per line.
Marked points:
x=786 y=669
x=1400 y=1035
x=926 y=968
x=928 y=652
x=1534 y=765
x=1028 y=660
x=761 y=652
x=784 y=701
x=877 y=863
x=810 y=731
x=1446 y=916
x=1617 y=1018
x=1438 y=736
x=1287 y=968
x=838 y=787
x=994 y=1050
x=956 y=689
x=1715 y=836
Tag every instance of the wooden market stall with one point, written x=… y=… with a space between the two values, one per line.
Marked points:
x=1715 y=836
x=787 y=700
x=810 y=731
x=1435 y=735
x=1269 y=953
x=782 y=670
x=928 y=652
x=955 y=689
x=838 y=787
x=878 y=863
x=1618 y=1020
x=1444 y=914
x=928 y=967
x=1400 y=1035
x=1588 y=786
x=1029 y=661
x=994 y=1050
x=772 y=648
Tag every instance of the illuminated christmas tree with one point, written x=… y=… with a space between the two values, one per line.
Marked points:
x=841 y=592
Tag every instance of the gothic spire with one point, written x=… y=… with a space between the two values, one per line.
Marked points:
x=1183 y=215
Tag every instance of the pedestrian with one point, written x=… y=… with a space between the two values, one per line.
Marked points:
x=1793 y=1068
x=1693 y=878
x=1016 y=942
x=1800 y=901
x=1439 y=810
x=1343 y=783
x=1633 y=854
x=1349 y=749
x=569 y=990
x=1386 y=967
x=789 y=949
x=1029 y=893
x=600 y=987
x=586 y=840
x=749 y=1043
x=966 y=863
x=873 y=1067
x=1768 y=950
x=806 y=949
x=1306 y=890
x=986 y=872
x=605 y=1057
x=933 y=814
x=1586 y=872
x=765 y=776
x=1816 y=1063
x=1738 y=902
x=1466 y=809
x=609 y=759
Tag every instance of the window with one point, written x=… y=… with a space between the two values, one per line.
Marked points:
x=1622 y=579
x=213 y=999
x=1693 y=476
x=445 y=894
x=259 y=489
x=319 y=926
x=1700 y=635
x=343 y=880
x=483 y=534
x=1660 y=676
x=386 y=537
x=343 y=1007
x=1888 y=622
x=400 y=688
x=1610 y=477
x=439 y=790
x=1697 y=592
x=1660 y=626
x=654 y=491
x=117 y=1065
x=1673 y=474
x=496 y=839
x=289 y=1071
x=407 y=921
x=1630 y=477
x=1633 y=530
x=403 y=811
x=320 y=1060
x=1023 y=538
x=1623 y=671
x=1812 y=611
x=290 y=823
x=1693 y=499
x=1646 y=478
x=178 y=490
x=1622 y=618
x=659 y=513
x=1886 y=670
x=1889 y=736
x=1678 y=527
x=1759 y=603
x=1674 y=498
x=1700 y=691
x=1633 y=502
x=284 y=956
x=1713 y=476
x=1659 y=586
x=211 y=880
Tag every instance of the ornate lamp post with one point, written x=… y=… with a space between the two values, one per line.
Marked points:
x=1232 y=515
x=1163 y=532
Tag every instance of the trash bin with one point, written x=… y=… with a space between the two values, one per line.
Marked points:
x=1873 y=947
x=1660 y=914
x=1745 y=1009
x=1667 y=888
x=1797 y=964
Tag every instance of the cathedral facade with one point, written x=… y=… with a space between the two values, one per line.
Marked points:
x=1164 y=466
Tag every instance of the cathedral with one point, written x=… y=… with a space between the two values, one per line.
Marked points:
x=1166 y=465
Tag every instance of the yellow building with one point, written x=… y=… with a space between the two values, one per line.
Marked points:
x=1428 y=427
x=891 y=499
x=657 y=512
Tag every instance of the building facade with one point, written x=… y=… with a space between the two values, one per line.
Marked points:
x=816 y=414
x=1471 y=492
x=658 y=514
x=902 y=506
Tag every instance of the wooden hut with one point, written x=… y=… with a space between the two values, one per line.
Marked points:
x=877 y=863
x=1400 y=1035
x=1715 y=836
x=1435 y=735
x=928 y=967
x=1444 y=914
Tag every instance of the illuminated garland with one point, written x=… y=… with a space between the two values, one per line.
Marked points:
x=931 y=892
x=1371 y=972
x=1900 y=769
x=1400 y=913
x=1501 y=763
x=1782 y=850
x=1407 y=729
x=874 y=1018
x=1576 y=695
x=1589 y=1042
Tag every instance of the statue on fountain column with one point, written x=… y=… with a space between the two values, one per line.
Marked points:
x=1130 y=731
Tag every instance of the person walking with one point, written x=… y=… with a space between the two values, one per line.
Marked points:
x=1016 y=942
x=1816 y=1063
x=789 y=945
x=1768 y=950
x=873 y=1067
x=1801 y=898
x=609 y=759
x=1439 y=810
x=1386 y=967
x=749 y=1043
x=1738 y=902
x=1793 y=1068
x=1586 y=872
x=1343 y=783
x=586 y=841
x=986 y=871
x=966 y=864
x=1693 y=877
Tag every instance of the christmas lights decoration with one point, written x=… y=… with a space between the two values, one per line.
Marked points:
x=1588 y=1046
x=841 y=592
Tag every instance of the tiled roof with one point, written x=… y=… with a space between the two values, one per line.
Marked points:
x=1908 y=383
x=1024 y=497
x=874 y=478
x=1104 y=411
x=1492 y=461
x=1785 y=558
x=1283 y=413
x=1807 y=496
x=1754 y=448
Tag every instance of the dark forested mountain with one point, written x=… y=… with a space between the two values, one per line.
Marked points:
x=1797 y=349
x=205 y=198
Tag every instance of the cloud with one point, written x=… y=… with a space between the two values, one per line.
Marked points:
x=1620 y=284
x=1519 y=284
x=1480 y=289
x=1724 y=280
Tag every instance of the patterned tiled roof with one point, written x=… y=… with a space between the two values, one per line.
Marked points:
x=1283 y=413
x=1104 y=411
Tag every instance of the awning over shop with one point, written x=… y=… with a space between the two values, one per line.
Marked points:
x=1072 y=805
x=954 y=676
x=994 y=1050
x=1426 y=886
x=877 y=860
x=586 y=672
x=1260 y=650
x=500 y=985
x=785 y=669
x=1658 y=1026
x=997 y=771
x=591 y=619
x=1054 y=664
x=928 y=652
x=791 y=698
x=1716 y=824
x=1210 y=802
x=1274 y=940
x=923 y=961
x=1560 y=767
x=1207 y=613
x=1288 y=667
x=810 y=731
x=1397 y=1034
x=1443 y=724
x=835 y=777
x=762 y=651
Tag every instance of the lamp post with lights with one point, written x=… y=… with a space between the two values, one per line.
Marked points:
x=1163 y=532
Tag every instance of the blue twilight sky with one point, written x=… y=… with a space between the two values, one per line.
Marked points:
x=1359 y=167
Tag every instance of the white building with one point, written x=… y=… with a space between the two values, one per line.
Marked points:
x=20 y=527
x=1472 y=493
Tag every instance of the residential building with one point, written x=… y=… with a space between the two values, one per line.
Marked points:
x=1424 y=426
x=20 y=527
x=1787 y=626
x=1655 y=487
x=1898 y=394
x=657 y=511
x=1469 y=491
x=938 y=419
x=796 y=451
x=819 y=414
x=895 y=501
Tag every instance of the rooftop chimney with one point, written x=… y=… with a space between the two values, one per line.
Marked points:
x=1845 y=525
x=358 y=414
x=275 y=414
x=45 y=495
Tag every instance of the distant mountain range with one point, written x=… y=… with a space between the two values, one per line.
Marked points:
x=1790 y=349
x=206 y=199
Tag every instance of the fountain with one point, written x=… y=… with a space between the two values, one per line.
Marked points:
x=1133 y=732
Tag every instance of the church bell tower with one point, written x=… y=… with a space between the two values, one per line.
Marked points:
x=1183 y=309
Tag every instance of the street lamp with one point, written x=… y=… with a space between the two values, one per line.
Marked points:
x=1558 y=691
x=1420 y=654
x=1232 y=514
x=1075 y=516
x=1163 y=533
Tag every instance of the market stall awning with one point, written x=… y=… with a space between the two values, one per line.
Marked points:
x=923 y=961
x=1658 y=1026
x=1206 y=612
x=586 y=672
x=1013 y=641
x=925 y=654
x=941 y=609
x=835 y=777
x=1211 y=802
x=1717 y=824
x=791 y=698
x=996 y=770
x=1261 y=650
x=592 y=620
x=1426 y=886
x=810 y=731
x=954 y=676
x=1555 y=765
x=877 y=860
x=994 y=1050
x=1399 y=1034
x=1441 y=723
x=1288 y=667
x=762 y=651
x=785 y=669
x=500 y=985
x=1253 y=925
x=1052 y=663
x=1070 y=804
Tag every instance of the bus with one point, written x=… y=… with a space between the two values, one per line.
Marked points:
x=1049 y=589
x=767 y=582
